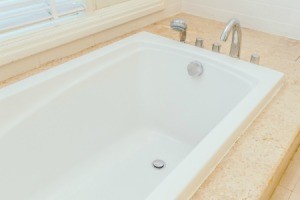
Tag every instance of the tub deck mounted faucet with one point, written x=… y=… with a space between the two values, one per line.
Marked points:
x=235 y=26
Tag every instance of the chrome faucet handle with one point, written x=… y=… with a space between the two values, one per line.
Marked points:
x=181 y=26
x=255 y=58
x=199 y=42
x=216 y=47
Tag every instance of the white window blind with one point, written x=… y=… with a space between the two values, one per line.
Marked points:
x=20 y=13
x=107 y=3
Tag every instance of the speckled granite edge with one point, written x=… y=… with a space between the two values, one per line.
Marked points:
x=281 y=168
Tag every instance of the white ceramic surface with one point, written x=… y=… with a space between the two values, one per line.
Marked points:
x=90 y=128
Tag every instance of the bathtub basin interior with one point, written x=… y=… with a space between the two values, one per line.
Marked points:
x=90 y=128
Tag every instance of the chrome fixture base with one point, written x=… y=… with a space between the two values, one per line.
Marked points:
x=199 y=42
x=216 y=47
x=255 y=59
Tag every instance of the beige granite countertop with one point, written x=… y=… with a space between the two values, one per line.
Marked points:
x=249 y=167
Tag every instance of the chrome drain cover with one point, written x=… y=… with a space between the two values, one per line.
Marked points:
x=158 y=164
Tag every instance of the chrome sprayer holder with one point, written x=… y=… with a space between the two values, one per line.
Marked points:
x=181 y=26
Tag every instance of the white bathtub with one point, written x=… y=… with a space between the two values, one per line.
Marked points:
x=90 y=128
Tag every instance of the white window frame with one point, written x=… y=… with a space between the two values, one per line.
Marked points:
x=46 y=9
x=94 y=21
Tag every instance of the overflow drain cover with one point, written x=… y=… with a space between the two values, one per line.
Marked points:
x=158 y=164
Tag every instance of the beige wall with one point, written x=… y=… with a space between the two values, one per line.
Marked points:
x=281 y=17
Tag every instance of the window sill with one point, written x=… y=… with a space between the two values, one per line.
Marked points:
x=103 y=19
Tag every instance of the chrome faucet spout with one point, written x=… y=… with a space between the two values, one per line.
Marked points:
x=234 y=26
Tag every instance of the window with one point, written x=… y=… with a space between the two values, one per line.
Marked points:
x=29 y=27
x=15 y=14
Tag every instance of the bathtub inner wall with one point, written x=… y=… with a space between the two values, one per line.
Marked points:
x=145 y=99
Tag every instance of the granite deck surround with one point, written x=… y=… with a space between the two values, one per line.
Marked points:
x=247 y=170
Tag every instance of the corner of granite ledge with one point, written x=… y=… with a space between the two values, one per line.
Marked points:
x=256 y=161
x=240 y=178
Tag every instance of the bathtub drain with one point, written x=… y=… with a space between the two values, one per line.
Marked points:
x=158 y=164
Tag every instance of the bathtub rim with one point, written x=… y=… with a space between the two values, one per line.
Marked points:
x=170 y=188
